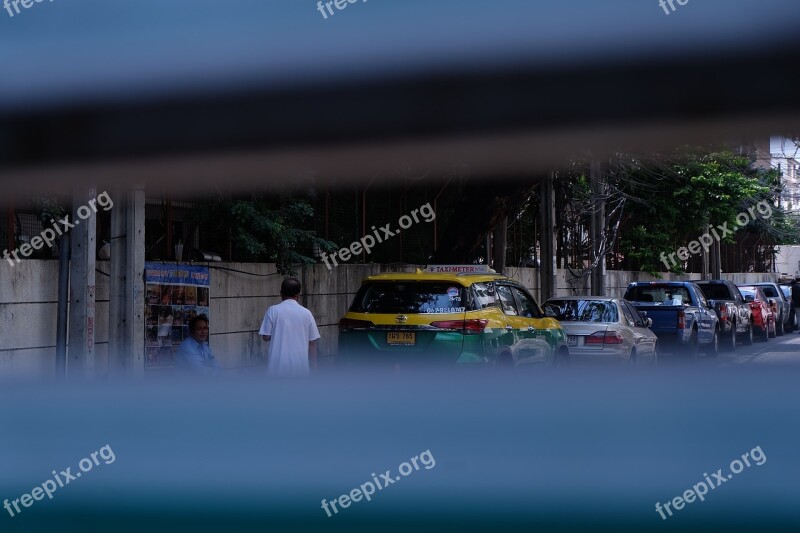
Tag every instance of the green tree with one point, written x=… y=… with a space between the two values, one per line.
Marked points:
x=266 y=228
x=673 y=199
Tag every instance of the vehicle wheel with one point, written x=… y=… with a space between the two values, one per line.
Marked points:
x=562 y=358
x=632 y=360
x=779 y=327
x=774 y=332
x=748 y=337
x=505 y=362
x=713 y=348
x=765 y=333
x=732 y=340
x=693 y=345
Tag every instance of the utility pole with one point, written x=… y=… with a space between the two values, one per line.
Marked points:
x=547 y=272
x=716 y=260
x=500 y=244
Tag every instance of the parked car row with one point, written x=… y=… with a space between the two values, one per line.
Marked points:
x=468 y=314
x=693 y=316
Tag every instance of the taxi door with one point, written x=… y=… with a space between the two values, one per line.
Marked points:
x=529 y=336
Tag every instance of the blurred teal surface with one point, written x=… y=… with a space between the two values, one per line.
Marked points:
x=563 y=451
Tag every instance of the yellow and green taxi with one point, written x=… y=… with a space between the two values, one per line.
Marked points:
x=448 y=314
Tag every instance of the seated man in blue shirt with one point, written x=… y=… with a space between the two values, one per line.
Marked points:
x=194 y=355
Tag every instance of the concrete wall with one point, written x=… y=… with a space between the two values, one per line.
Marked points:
x=28 y=306
x=240 y=294
x=787 y=260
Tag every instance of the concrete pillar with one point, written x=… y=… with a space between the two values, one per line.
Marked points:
x=547 y=269
x=126 y=286
x=83 y=249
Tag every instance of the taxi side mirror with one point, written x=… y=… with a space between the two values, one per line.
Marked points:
x=648 y=322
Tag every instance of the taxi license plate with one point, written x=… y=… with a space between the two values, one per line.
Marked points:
x=572 y=340
x=401 y=338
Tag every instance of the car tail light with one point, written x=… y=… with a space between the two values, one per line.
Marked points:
x=774 y=306
x=723 y=313
x=472 y=326
x=601 y=337
x=347 y=324
x=681 y=320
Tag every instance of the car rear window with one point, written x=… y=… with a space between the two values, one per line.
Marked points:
x=659 y=295
x=748 y=292
x=410 y=297
x=769 y=291
x=584 y=310
x=716 y=291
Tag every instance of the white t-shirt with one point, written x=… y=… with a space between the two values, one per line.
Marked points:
x=292 y=327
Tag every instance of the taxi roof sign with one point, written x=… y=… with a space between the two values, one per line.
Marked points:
x=459 y=269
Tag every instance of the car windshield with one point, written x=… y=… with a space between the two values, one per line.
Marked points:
x=716 y=291
x=410 y=297
x=658 y=294
x=584 y=310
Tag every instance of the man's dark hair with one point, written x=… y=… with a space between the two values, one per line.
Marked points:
x=194 y=320
x=290 y=288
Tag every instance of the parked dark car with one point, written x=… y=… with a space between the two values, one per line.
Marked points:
x=764 y=311
x=735 y=315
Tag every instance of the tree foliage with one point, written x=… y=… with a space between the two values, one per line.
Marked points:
x=674 y=198
x=266 y=228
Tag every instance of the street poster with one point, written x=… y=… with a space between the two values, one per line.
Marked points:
x=175 y=293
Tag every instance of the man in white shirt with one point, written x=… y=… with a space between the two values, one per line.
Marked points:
x=292 y=333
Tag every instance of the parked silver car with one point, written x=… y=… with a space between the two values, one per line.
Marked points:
x=601 y=329
x=787 y=293
x=774 y=293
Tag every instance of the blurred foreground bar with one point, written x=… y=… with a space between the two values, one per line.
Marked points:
x=566 y=451
x=531 y=85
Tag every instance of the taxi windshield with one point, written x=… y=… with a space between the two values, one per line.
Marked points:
x=410 y=297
